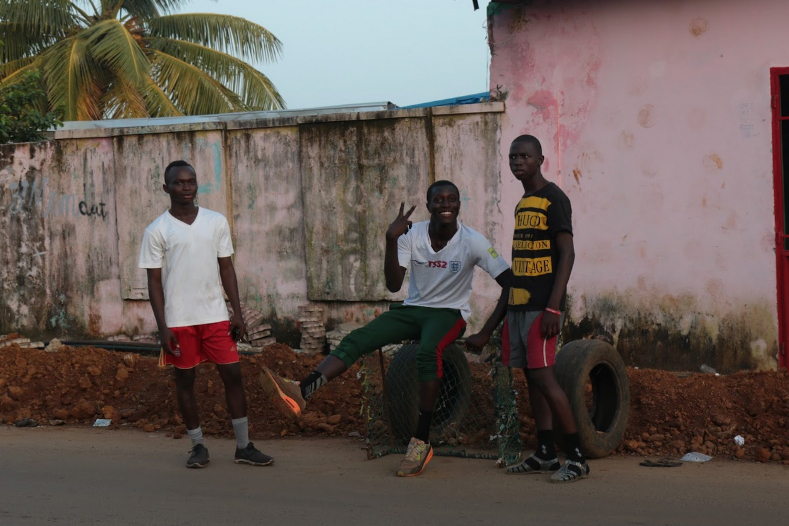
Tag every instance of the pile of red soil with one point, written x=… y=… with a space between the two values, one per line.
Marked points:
x=670 y=414
x=78 y=385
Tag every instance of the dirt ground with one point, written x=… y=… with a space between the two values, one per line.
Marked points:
x=670 y=414
x=77 y=475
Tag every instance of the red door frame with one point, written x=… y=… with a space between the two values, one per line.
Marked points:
x=781 y=253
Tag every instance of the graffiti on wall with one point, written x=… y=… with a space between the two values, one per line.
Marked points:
x=34 y=195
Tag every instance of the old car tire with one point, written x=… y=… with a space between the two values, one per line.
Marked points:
x=601 y=423
x=402 y=385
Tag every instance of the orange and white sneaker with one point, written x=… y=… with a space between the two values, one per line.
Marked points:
x=416 y=458
x=285 y=393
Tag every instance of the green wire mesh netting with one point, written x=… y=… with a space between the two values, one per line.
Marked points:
x=476 y=415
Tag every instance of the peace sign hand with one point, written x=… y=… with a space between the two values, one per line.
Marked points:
x=401 y=224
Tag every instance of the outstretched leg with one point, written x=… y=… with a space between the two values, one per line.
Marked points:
x=393 y=326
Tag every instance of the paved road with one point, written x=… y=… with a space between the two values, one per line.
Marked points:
x=76 y=476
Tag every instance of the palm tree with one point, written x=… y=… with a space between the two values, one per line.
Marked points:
x=136 y=58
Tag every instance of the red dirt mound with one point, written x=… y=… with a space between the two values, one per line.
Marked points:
x=673 y=414
x=78 y=385
x=670 y=414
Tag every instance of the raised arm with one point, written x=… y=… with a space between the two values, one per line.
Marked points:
x=393 y=272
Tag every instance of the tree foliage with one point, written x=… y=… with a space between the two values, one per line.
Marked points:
x=136 y=58
x=23 y=115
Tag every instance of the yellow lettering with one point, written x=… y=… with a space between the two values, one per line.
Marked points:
x=532 y=267
x=532 y=245
x=540 y=203
x=519 y=296
x=532 y=220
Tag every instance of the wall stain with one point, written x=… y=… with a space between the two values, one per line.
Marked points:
x=646 y=116
x=675 y=332
x=698 y=26
x=626 y=140
x=713 y=162
x=545 y=104
x=593 y=64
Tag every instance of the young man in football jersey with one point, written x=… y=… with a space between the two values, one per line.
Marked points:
x=186 y=252
x=542 y=259
x=441 y=254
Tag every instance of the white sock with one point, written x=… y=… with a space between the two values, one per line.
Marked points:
x=241 y=429
x=196 y=436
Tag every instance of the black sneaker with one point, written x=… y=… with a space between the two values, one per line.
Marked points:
x=250 y=455
x=198 y=458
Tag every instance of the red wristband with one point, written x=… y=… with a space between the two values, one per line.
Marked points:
x=553 y=311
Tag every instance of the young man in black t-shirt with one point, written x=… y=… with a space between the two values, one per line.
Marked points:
x=542 y=259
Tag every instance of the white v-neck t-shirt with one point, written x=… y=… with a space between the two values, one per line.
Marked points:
x=443 y=279
x=187 y=255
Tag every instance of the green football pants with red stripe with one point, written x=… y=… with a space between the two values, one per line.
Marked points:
x=434 y=328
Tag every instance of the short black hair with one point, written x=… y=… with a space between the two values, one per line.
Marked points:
x=172 y=168
x=440 y=183
x=529 y=139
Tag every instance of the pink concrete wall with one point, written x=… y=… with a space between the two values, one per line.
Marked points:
x=655 y=120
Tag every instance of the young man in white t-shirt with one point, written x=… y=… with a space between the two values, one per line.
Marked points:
x=186 y=252
x=441 y=254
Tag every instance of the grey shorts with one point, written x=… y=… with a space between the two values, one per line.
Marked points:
x=523 y=346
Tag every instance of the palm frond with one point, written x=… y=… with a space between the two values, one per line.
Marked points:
x=255 y=89
x=111 y=44
x=151 y=8
x=192 y=90
x=226 y=33
x=97 y=65
x=157 y=103
x=18 y=75
x=40 y=17
x=74 y=80
x=18 y=43
x=11 y=67
x=106 y=5
x=123 y=101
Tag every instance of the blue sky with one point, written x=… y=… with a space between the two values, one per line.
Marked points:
x=353 y=51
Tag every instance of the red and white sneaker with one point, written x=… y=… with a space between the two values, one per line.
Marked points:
x=285 y=393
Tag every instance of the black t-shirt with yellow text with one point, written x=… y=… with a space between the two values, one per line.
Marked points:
x=538 y=218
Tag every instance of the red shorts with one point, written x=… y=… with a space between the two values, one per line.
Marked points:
x=202 y=343
x=522 y=346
